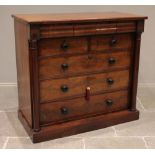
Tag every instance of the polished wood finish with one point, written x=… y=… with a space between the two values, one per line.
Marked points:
x=101 y=43
x=56 y=31
x=94 y=29
x=83 y=64
x=77 y=17
x=136 y=55
x=79 y=107
x=126 y=26
x=34 y=82
x=76 y=72
x=79 y=126
x=62 y=46
x=23 y=70
x=76 y=85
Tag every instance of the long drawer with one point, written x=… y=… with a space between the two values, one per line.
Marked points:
x=74 y=65
x=51 y=90
x=79 y=107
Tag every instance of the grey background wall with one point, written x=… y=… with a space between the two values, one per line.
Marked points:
x=7 y=46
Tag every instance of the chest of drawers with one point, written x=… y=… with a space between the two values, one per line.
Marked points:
x=76 y=72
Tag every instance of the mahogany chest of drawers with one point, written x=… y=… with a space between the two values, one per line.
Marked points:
x=76 y=72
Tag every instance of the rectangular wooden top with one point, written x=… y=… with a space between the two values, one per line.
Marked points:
x=76 y=17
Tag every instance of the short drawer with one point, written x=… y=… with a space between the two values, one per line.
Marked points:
x=75 y=65
x=62 y=46
x=51 y=90
x=109 y=42
x=79 y=107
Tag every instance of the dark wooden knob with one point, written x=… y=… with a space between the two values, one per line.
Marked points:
x=64 y=46
x=64 y=66
x=113 y=42
x=111 y=61
x=109 y=102
x=110 y=81
x=64 y=88
x=64 y=110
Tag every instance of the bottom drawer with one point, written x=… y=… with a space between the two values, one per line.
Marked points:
x=79 y=107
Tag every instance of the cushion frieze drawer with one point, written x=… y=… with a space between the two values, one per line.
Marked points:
x=91 y=63
x=55 y=31
x=72 y=109
x=126 y=27
x=51 y=90
x=94 y=29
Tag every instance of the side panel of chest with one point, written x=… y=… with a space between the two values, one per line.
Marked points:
x=23 y=70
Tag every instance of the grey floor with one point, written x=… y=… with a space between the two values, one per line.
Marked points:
x=136 y=134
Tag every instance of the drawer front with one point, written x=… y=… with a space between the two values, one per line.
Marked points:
x=66 y=66
x=62 y=46
x=81 y=29
x=73 y=109
x=56 y=30
x=109 y=42
x=126 y=27
x=51 y=90
x=94 y=29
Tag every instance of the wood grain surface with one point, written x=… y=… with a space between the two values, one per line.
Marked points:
x=51 y=89
x=78 y=17
x=80 y=65
x=80 y=107
x=52 y=47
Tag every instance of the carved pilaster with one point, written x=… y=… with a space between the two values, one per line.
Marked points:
x=33 y=44
x=35 y=32
x=140 y=26
x=33 y=51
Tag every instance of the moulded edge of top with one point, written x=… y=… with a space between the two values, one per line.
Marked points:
x=76 y=17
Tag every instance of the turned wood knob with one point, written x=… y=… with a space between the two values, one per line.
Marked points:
x=111 y=61
x=64 y=88
x=64 y=66
x=64 y=46
x=109 y=102
x=113 y=42
x=110 y=81
x=64 y=110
